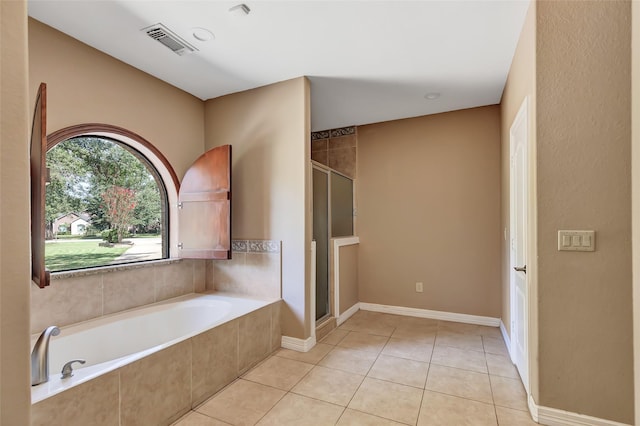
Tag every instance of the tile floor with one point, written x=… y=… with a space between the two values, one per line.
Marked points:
x=379 y=369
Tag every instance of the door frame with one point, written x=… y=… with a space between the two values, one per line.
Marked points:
x=521 y=119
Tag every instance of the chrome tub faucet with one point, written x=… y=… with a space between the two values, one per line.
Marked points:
x=40 y=356
x=67 y=370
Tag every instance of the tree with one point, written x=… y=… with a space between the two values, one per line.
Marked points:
x=64 y=192
x=118 y=206
x=84 y=168
x=148 y=211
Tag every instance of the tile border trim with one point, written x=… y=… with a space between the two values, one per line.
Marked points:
x=323 y=134
x=255 y=246
x=333 y=133
x=555 y=417
x=426 y=313
x=343 y=131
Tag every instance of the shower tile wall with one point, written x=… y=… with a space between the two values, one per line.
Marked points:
x=84 y=296
x=336 y=148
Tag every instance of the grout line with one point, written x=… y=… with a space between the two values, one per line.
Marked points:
x=102 y=293
x=433 y=348
x=424 y=391
x=379 y=417
x=495 y=410
x=119 y=399
x=274 y=405
x=364 y=376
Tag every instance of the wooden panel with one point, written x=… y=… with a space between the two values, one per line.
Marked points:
x=205 y=196
x=39 y=273
x=204 y=218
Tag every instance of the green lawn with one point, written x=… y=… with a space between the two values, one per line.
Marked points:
x=81 y=254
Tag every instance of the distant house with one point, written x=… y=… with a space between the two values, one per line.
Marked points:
x=71 y=223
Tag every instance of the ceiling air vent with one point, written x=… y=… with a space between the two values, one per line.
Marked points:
x=167 y=37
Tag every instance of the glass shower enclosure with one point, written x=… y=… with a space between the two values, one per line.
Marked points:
x=332 y=217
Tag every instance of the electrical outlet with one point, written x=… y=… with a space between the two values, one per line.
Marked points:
x=419 y=287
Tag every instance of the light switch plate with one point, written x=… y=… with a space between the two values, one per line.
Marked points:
x=576 y=240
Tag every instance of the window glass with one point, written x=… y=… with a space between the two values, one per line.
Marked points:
x=341 y=206
x=105 y=205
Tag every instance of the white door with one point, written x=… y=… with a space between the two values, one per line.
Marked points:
x=519 y=294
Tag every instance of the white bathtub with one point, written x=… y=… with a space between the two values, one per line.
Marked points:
x=109 y=342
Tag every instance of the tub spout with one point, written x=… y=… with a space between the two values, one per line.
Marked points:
x=40 y=356
x=67 y=370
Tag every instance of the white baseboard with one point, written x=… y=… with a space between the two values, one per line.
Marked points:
x=426 y=313
x=543 y=415
x=347 y=314
x=533 y=407
x=300 y=345
x=554 y=417
x=507 y=340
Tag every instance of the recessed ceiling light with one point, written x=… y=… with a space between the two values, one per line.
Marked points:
x=432 y=96
x=240 y=10
x=202 y=34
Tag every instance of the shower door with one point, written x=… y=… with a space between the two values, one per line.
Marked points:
x=332 y=217
x=321 y=236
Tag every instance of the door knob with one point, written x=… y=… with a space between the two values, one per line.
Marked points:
x=521 y=268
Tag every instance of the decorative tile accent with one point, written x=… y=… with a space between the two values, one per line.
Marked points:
x=239 y=246
x=255 y=246
x=264 y=246
x=343 y=131
x=324 y=134
x=333 y=133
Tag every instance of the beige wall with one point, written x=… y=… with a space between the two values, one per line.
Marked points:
x=428 y=197
x=348 y=276
x=15 y=392
x=87 y=86
x=269 y=130
x=583 y=136
x=521 y=86
x=635 y=186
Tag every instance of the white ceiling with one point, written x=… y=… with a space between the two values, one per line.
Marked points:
x=368 y=61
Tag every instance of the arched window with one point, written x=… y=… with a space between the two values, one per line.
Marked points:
x=111 y=192
x=204 y=200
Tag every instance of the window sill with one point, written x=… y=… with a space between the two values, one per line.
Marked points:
x=112 y=268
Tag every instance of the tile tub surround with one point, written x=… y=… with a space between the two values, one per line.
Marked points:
x=378 y=369
x=254 y=270
x=161 y=387
x=85 y=294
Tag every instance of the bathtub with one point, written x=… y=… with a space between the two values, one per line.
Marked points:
x=111 y=342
